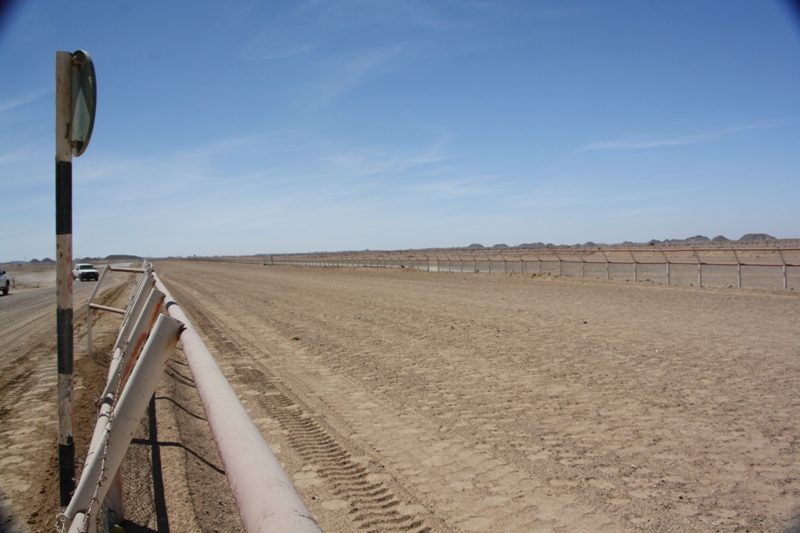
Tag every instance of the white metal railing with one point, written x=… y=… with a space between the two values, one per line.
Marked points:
x=91 y=305
x=266 y=498
x=559 y=261
x=100 y=476
x=116 y=425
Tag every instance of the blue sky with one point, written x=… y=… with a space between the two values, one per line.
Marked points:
x=268 y=127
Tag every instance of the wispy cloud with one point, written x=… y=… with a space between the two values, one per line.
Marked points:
x=642 y=213
x=19 y=102
x=21 y=154
x=329 y=27
x=458 y=188
x=559 y=13
x=699 y=138
x=347 y=72
x=370 y=162
x=287 y=52
x=571 y=192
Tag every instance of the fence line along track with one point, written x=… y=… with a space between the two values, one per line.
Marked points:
x=266 y=498
x=752 y=267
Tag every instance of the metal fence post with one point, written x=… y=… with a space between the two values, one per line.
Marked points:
x=783 y=260
x=699 y=270
x=666 y=260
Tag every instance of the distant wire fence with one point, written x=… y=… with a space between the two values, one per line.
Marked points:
x=762 y=268
x=152 y=325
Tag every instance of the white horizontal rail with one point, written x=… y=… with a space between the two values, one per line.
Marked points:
x=107 y=308
x=266 y=498
x=128 y=269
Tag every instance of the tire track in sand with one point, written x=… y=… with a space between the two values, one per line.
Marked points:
x=372 y=505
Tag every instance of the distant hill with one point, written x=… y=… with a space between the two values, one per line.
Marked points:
x=702 y=239
x=757 y=237
x=119 y=257
x=48 y=261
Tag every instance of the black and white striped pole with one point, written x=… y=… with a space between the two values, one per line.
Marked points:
x=76 y=94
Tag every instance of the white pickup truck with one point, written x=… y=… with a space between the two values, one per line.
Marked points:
x=85 y=272
x=4 y=283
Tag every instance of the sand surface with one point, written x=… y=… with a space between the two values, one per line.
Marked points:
x=28 y=376
x=401 y=400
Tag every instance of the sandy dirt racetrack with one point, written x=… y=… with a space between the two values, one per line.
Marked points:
x=28 y=377
x=400 y=400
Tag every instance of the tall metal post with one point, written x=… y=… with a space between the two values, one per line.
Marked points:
x=66 y=444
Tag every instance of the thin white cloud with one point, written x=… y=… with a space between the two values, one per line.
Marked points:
x=21 y=154
x=565 y=193
x=370 y=162
x=19 y=102
x=706 y=137
x=559 y=13
x=641 y=213
x=346 y=73
x=324 y=27
x=458 y=188
x=283 y=53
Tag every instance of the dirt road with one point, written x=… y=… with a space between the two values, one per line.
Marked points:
x=411 y=401
x=28 y=376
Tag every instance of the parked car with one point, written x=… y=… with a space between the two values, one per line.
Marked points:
x=4 y=283
x=85 y=272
